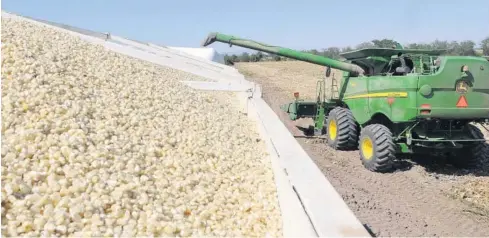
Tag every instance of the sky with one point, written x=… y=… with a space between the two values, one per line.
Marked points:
x=297 y=24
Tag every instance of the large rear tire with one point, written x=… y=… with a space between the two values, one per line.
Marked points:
x=342 y=129
x=377 y=148
x=471 y=155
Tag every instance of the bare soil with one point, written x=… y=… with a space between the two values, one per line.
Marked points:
x=424 y=197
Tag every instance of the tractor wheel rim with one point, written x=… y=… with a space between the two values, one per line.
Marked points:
x=367 y=148
x=332 y=129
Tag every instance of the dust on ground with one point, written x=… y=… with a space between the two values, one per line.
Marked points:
x=424 y=197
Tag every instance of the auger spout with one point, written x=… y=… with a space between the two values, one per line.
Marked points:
x=289 y=53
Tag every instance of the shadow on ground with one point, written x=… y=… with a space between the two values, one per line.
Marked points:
x=308 y=131
x=404 y=162
x=439 y=165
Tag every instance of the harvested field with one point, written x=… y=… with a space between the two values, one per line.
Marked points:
x=424 y=197
x=288 y=76
x=100 y=144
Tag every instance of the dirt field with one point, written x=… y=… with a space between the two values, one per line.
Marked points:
x=424 y=197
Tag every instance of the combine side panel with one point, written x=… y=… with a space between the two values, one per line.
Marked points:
x=393 y=96
x=354 y=90
x=455 y=93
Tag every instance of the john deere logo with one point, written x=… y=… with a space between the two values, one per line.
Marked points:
x=462 y=87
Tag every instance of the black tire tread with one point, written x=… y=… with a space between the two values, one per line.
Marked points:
x=347 y=134
x=478 y=153
x=384 y=148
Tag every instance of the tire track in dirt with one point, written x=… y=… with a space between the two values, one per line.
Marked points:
x=404 y=203
x=413 y=201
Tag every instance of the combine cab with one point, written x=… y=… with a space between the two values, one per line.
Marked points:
x=392 y=101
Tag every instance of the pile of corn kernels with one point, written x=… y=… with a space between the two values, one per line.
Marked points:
x=95 y=143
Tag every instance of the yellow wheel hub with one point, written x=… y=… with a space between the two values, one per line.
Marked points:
x=367 y=148
x=332 y=129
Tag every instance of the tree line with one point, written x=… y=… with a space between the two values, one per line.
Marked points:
x=465 y=48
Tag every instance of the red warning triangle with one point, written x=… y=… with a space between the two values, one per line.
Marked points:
x=462 y=102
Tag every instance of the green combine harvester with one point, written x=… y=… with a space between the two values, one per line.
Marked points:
x=394 y=101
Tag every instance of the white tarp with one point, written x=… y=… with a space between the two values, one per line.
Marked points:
x=206 y=53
